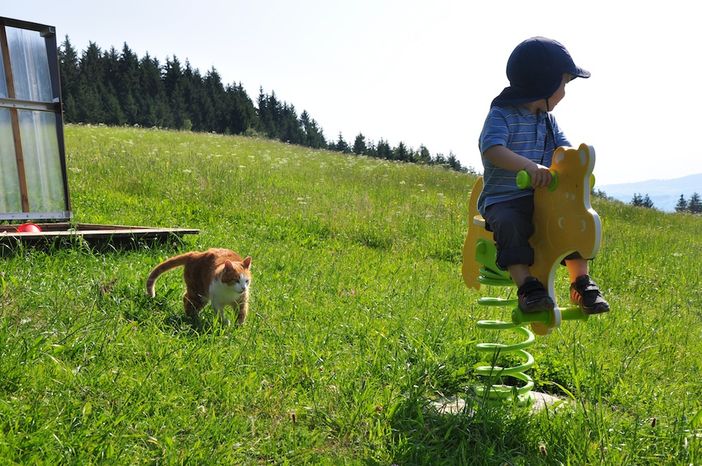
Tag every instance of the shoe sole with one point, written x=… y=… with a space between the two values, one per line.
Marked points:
x=594 y=311
x=536 y=309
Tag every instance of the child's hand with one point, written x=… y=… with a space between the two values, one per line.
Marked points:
x=540 y=175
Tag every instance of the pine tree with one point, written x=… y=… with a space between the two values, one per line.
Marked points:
x=681 y=206
x=290 y=127
x=359 y=144
x=400 y=152
x=127 y=86
x=384 y=150
x=313 y=133
x=341 y=145
x=174 y=86
x=110 y=102
x=217 y=97
x=694 y=205
x=424 y=154
x=90 y=90
x=153 y=99
x=112 y=108
x=371 y=150
x=70 y=80
x=637 y=200
x=196 y=98
x=453 y=162
x=268 y=114
x=241 y=112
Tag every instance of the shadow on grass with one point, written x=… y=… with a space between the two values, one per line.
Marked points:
x=481 y=434
x=11 y=247
x=162 y=313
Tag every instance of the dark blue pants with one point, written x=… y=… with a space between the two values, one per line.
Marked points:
x=512 y=226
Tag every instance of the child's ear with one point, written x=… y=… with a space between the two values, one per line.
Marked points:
x=247 y=262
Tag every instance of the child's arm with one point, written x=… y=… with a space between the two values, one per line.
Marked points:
x=506 y=159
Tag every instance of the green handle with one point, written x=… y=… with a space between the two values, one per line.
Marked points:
x=524 y=180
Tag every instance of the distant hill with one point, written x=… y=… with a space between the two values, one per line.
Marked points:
x=663 y=193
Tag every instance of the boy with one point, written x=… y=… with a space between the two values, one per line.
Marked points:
x=520 y=134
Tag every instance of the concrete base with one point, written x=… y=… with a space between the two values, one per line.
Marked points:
x=542 y=400
x=451 y=405
x=456 y=405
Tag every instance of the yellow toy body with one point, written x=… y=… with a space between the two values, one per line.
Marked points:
x=476 y=231
x=564 y=222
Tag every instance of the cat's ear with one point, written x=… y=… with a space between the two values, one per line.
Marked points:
x=247 y=262
x=229 y=266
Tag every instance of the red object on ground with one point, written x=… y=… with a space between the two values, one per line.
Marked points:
x=28 y=228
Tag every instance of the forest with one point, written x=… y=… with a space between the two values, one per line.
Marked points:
x=121 y=88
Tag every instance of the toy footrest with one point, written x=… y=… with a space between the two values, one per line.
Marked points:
x=491 y=273
x=489 y=276
x=497 y=302
x=573 y=313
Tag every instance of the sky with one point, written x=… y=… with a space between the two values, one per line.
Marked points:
x=425 y=72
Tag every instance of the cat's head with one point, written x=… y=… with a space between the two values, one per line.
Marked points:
x=237 y=274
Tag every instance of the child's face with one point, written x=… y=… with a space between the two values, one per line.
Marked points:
x=560 y=92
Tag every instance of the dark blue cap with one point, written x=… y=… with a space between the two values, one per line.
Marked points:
x=535 y=70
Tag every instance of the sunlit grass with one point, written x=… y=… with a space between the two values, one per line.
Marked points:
x=359 y=319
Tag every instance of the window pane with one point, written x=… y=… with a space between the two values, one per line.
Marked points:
x=10 y=200
x=3 y=79
x=30 y=65
x=42 y=161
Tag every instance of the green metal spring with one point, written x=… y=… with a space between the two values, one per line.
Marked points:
x=496 y=351
x=486 y=255
x=503 y=392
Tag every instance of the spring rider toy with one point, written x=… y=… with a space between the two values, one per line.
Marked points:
x=564 y=222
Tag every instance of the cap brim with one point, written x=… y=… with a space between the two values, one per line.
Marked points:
x=580 y=73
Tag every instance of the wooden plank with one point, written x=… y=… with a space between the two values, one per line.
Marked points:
x=66 y=229
x=99 y=236
x=14 y=116
x=6 y=62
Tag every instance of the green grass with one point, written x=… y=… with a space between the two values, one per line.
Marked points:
x=359 y=320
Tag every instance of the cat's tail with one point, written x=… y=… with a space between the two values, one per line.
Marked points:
x=164 y=266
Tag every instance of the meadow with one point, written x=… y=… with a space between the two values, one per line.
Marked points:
x=359 y=321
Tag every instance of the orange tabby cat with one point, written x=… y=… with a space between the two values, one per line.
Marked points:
x=217 y=275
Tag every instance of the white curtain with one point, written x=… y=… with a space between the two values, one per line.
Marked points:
x=10 y=200
x=42 y=165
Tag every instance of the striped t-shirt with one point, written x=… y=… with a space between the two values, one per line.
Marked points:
x=523 y=132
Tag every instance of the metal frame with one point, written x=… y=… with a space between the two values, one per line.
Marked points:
x=55 y=107
x=60 y=229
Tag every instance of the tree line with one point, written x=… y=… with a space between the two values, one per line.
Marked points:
x=120 y=88
x=692 y=205
x=640 y=200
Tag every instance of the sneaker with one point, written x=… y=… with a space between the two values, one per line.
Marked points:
x=533 y=297
x=585 y=293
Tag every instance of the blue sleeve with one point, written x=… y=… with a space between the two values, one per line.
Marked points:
x=495 y=131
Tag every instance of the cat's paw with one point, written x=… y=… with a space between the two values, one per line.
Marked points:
x=224 y=321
